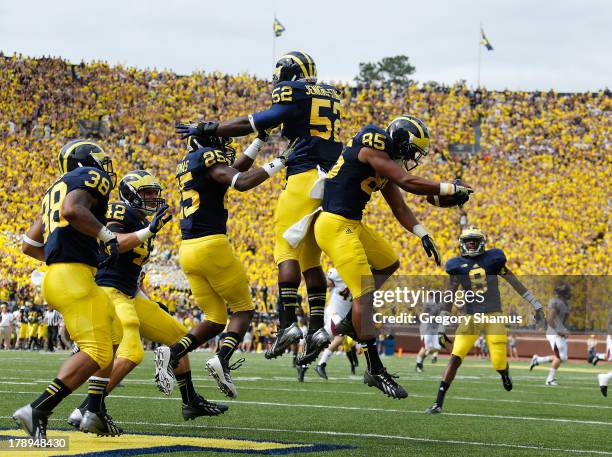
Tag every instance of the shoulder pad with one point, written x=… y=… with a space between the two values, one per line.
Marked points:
x=94 y=180
x=452 y=265
x=286 y=92
x=116 y=212
x=497 y=258
x=374 y=137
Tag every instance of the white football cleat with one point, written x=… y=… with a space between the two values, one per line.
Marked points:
x=219 y=370
x=164 y=374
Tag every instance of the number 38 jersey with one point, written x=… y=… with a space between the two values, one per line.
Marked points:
x=125 y=274
x=350 y=183
x=310 y=113
x=203 y=209
x=479 y=274
x=63 y=243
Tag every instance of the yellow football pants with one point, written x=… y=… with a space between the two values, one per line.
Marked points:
x=353 y=248
x=294 y=203
x=137 y=317
x=216 y=276
x=33 y=330
x=495 y=336
x=71 y=289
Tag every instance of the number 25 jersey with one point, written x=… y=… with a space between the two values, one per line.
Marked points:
x=63 y=243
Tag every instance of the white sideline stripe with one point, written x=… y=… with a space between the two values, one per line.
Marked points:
x=366 y=435
x=358 y=408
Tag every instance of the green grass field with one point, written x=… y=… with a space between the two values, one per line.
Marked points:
x=480 y=418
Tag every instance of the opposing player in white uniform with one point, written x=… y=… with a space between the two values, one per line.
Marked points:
x=431 y=335
x=608 y=354
x=556 y=333
x=340 y=302
x=604 y=378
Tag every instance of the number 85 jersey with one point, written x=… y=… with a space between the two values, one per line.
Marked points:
x=63 y=243
x=479 y=274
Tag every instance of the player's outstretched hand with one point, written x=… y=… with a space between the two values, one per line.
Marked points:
x=111 y=253
x=463 y=196
x=430 y=248
x=293 y=153
x=161 y=218
x=201 y=129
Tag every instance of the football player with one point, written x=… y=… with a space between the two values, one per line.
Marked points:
x=340 y=302
x=375 y=159
x=217 y=278
x=137 y=316
x=608 y=355
x=477 y=269
x=432 y=336
x=66 y=237
x=556 y=333
x=311 y=112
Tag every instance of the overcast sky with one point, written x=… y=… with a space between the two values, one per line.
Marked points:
x=562 y=44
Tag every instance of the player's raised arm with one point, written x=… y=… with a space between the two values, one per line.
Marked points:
x=131 y=240
x=246 y=159
x=408 y=220
x=520 y=289
x=33 y=241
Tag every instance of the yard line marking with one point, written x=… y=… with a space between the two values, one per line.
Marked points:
x=359 y=408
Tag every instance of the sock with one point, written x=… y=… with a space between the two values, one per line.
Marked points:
x=288 y=298
x=95 y=393
x=605 y=379
x=316 y=303
x=83 y=405
x=186 y=344
x=546 y=359
x=352 y=356
x=55 y=392
x=228 y=346
x=444 y=386
x=185 y=384
x=325 y=356
x=551 y=374
x=419 y=359
x=372 y=358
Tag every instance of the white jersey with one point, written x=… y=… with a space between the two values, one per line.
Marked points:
x=338 y=292
x=432 y=309
x=562 y=310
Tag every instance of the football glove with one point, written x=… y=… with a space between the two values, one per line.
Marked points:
x=444 y=339
x=539 y=318
x=263 y=135
x=461 y=197
x=289 y=156
x=111 y=253
x=430 y=248
x=201 y=129
x=160 y=219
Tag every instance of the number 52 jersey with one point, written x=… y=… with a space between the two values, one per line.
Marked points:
x=63 y=243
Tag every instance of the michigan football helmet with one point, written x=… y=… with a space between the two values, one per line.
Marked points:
x=141 y=190
x=295 y=66
x=468 y=235
x=85 y=153
x=410 y=139
x=224 y=144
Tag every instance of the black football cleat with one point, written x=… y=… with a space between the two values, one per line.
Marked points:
x=603 y=388
x=507 y=382
x=419 y=367
x=201 y=407
x=99 y=423
x=313 y=345
x=385 y=382
x=284 y=338
x=320 y=369
x=434 y=409
x=352 y=368
x=301 y=372
x=33 y=421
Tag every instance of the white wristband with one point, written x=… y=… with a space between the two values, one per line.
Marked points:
x=234 y=179
x=419 y=231
x=273 y=167
x=144 y=234
x=447 y=188
x=530 y=298
x=253 y=150
x=105 y=235
x=252 y=122
x=32 y=242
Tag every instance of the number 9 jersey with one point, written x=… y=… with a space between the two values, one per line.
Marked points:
x=64 y=243
x=479 y=274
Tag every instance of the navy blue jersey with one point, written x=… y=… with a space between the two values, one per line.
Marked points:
x=203 y=209
x=350 y=183
x=480 y=274
x=35 y=315
x=311 y=113
x=125 y=274
x=64 y=243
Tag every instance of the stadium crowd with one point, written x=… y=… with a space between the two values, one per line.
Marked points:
x=540 y=176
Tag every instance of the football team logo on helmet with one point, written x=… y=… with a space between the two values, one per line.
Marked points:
x=225 y=144
x=85 y=153
x=472 y=242
x=410 y=139
x=295 y=66
x=141 y=190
